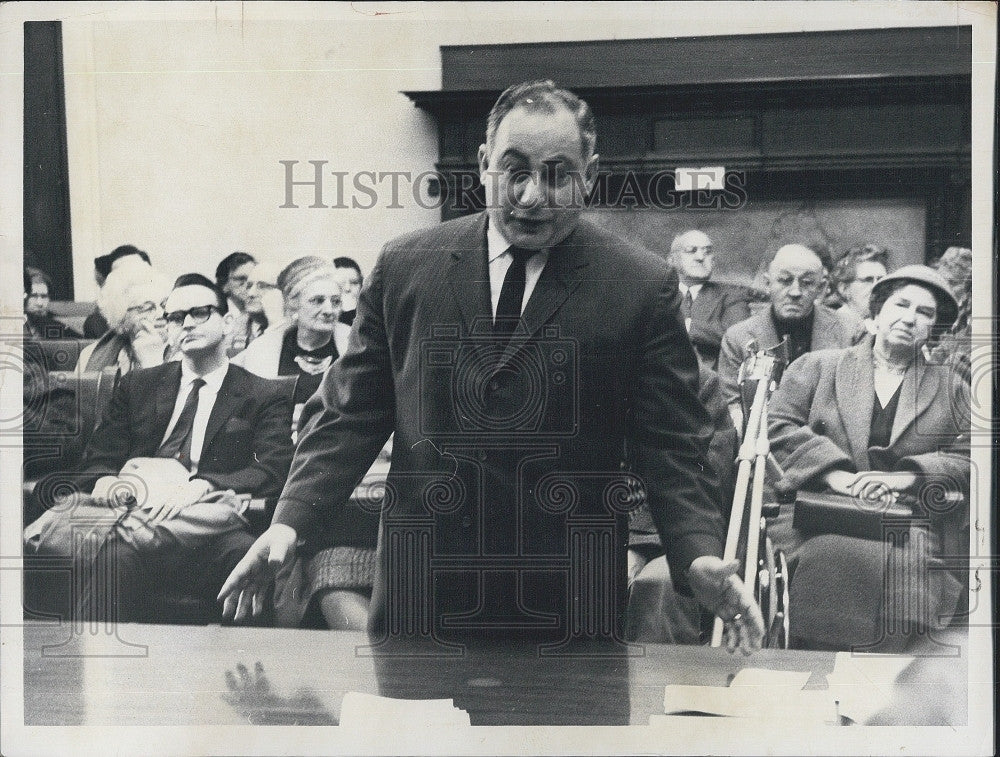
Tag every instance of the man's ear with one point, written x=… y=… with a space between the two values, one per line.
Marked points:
x=227 y=322
x=484 y=163
x=590 y=172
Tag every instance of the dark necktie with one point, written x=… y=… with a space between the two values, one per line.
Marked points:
x=511 y=294
x=686 y=302
x=178 y=444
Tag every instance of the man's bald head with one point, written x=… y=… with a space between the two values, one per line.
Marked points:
x=795 y=278
x=691 y=254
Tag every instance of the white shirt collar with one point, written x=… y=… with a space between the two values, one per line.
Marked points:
x=694 y=289
x=213 y=380
x=496 y=244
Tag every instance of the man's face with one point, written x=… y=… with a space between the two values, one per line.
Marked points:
x=530 y=175
x=194 y=323
x=794 y=280
x=36 y=301
x=693 y=257
x=858 y=292
x=242 y=288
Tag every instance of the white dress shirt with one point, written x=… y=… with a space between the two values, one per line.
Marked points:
x=500 y=260
x=694 y=289
x=206 y=401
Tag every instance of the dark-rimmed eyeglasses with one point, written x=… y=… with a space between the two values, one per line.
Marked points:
x=198 y=315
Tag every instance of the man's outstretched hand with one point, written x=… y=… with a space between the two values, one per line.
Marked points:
x=719 y=589
x=245 y=591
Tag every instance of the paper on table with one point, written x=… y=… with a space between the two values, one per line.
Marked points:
x=788 y=680
x=745 y=698
x=371 y=711
x=864 y=684
x=747 y=702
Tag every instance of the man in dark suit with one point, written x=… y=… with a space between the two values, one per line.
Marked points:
x=795 y=278
x=708 y=307
x=515 y=392
x=175 y=446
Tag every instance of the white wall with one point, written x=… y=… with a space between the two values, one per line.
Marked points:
x=178 y=115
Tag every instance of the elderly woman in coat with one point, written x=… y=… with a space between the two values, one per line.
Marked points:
x=131 y=301
x=876 y=422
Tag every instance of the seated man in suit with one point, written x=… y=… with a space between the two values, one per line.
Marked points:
x=164 y=466
x=795 y=278
x=709 y=307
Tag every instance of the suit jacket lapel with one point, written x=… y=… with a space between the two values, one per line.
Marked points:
x=225 y=405
x=164 y=400
x=469 y=276
x=854 y=384
x=705 y=304
x=918 y=391
x=764 y=332
x=562 y=274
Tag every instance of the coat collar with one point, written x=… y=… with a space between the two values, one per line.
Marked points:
x=165 y=396
x=917 y=394
x=854 y=384
x=855 y=393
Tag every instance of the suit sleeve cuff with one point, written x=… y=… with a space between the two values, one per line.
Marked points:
x=299 y=516
x=685 y=552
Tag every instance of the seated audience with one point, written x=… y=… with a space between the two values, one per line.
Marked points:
x=853 y=277
x=709 y=307
x=235 y=276
x=875 y=422
x=131 y=301
x=795 y=277
x=95 y=326
x=656 y=613
x=38 y=321
x=350 y=278
x=163 y=469
x=312 y=338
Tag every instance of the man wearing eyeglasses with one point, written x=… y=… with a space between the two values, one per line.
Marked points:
x=795 y=278
x=164 y=466
x=708 y=307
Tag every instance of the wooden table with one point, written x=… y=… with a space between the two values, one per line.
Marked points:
x=190 y=675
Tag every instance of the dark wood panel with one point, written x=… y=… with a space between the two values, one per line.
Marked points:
x=711 y=135
x=862 y=129
x=47 y=241
x=915 y=51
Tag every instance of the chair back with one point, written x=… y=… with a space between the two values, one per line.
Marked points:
x=55 y=354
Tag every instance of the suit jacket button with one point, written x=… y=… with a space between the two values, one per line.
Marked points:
x=482 y=454
x=466 y=522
